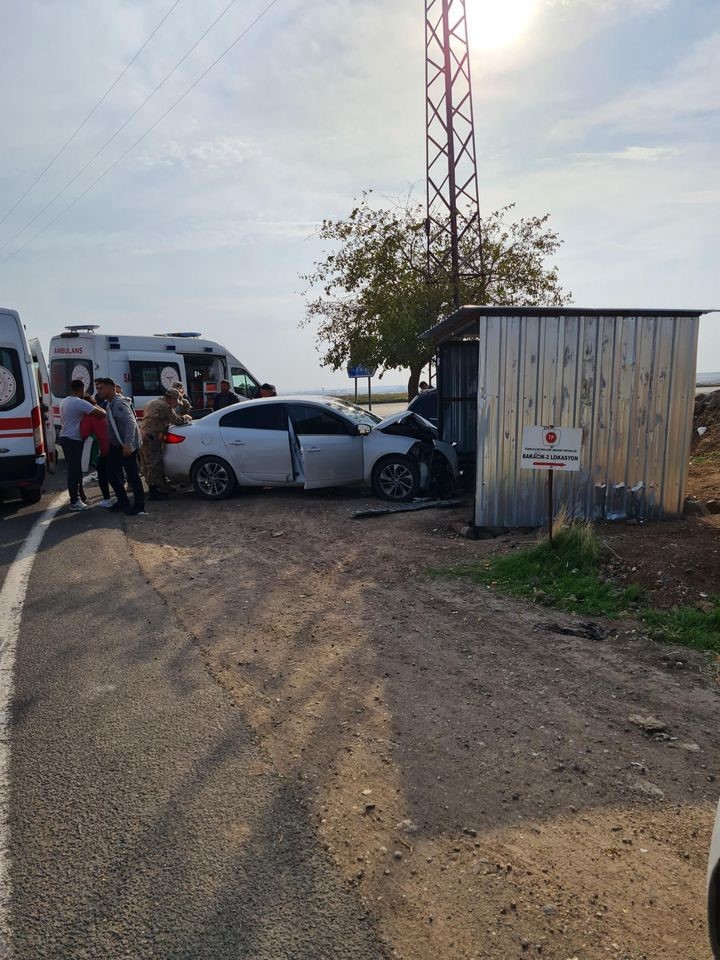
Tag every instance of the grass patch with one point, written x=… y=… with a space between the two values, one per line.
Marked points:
x=686 y=625
x=704 y=459
x=564 y=575
x=567 y=576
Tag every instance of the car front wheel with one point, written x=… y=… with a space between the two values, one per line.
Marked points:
x=213 y=479
x=396 y=478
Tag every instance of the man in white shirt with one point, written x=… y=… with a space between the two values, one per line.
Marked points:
x=72 y=409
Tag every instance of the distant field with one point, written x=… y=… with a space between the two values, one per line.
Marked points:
x=362 y=398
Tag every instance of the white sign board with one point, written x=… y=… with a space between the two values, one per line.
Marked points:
x=80 y=372
x=551 y=448
x=8 y=387
x=169 y=376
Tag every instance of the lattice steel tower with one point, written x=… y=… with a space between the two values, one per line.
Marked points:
x=453 y=209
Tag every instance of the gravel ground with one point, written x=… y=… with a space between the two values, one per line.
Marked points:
x=479 y=783
x=146 y=821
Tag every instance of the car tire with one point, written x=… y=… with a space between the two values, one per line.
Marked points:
x=213 y=478
x=396 y=478
x=29 y=495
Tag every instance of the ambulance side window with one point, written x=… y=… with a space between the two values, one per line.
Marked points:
x=243 y=384
x=12 y=392
x=151 y=378
x=63 y=372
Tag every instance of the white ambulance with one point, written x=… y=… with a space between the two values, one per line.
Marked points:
x=27 y=443
x=145 y=366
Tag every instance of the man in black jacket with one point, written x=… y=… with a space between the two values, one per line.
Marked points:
x=226 y=398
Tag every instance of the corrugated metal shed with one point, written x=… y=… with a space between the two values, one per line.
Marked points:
x=627 y=377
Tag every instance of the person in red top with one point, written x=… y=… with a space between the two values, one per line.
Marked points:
x=97 y=427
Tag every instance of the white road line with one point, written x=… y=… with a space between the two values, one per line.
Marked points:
x=12 y=598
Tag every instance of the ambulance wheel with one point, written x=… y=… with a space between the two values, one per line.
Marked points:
x=396 y=478
x=29 y=496
x=213 y=478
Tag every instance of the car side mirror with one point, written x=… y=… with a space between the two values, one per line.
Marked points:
x=364 y=429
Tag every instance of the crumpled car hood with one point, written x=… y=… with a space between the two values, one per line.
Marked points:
x=408 y=424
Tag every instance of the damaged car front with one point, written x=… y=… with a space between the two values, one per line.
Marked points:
x=405 y=458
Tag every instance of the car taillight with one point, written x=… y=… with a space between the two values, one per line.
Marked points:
x=37 y=431
x=174 y=438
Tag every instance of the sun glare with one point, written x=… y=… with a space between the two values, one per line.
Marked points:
x=493 y=24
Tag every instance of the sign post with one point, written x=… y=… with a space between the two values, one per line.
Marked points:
x=358 y=371
x=551 y=505
x=552 y=449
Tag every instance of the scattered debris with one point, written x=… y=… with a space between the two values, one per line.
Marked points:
x=404 y=508
x=647 y=789
x=407 y=826
x=587 y=629
x=695 y=508
x=650 y=725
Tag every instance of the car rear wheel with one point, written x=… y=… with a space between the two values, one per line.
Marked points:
x=396 y=478
x=213 y=479
x=28 y=495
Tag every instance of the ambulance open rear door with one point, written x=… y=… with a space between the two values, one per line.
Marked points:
x=43 y=381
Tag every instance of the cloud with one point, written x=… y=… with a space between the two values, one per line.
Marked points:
x=213 y=215
x=184 y=236
x=217 y=154
x=629 y=155
x=605 y=6
x=688 y=91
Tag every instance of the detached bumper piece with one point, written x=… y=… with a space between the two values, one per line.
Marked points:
x=405 y=508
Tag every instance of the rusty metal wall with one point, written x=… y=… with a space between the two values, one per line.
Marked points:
x=629 y=382
x=457 y=382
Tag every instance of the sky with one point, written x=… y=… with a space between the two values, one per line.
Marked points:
x=604 y=113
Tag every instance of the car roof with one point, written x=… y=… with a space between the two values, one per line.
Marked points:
x=299 y=398
x=291 y=398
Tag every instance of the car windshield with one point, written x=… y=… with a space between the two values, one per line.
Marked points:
x=353 y=412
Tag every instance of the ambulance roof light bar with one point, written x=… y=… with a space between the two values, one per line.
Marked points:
x=184 y=334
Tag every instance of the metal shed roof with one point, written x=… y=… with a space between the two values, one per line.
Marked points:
x=462 y=322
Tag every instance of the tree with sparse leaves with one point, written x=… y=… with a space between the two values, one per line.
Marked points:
x=371 y=297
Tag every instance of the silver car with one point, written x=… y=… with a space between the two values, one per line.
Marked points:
x=309 y=442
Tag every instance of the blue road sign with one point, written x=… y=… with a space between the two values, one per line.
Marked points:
x=360 y=372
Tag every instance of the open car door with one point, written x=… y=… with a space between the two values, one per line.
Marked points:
x=43 y=382
x=330 y=450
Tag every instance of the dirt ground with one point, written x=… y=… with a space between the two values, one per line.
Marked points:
x=704 y=478
x=676 y=563
x=478 y=781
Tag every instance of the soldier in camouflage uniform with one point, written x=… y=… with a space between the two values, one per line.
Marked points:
x=183 y=405
x=157 y=417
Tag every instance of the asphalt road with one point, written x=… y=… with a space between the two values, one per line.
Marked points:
x=144 y=820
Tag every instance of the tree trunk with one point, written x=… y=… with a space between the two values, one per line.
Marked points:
x=414 y=381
